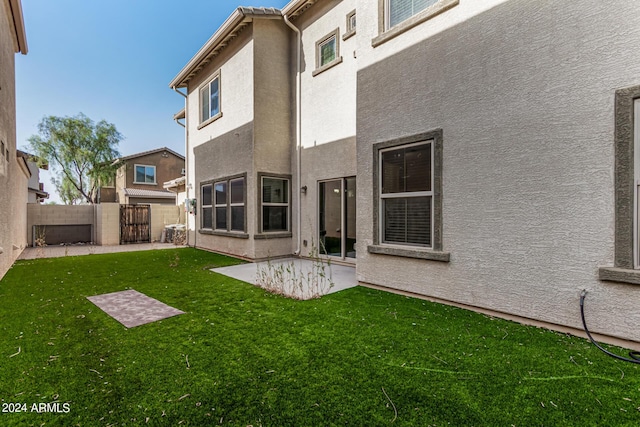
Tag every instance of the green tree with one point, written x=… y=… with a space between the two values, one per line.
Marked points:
x=80 y=154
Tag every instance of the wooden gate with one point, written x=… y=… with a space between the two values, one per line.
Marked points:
x=135 y=224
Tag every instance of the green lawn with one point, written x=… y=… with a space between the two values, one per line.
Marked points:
x=242 y=357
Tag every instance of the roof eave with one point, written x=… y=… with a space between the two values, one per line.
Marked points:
x=17 y=19
x=240 y=18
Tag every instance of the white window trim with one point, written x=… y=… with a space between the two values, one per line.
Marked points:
x=263 y=204
x=382 y=196
x=135 y=174
x=337 y=60
x=386 y=33
x=207 y=84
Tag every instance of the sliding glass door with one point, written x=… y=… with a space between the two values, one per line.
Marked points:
x=337 y=217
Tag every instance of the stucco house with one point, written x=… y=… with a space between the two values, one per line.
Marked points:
x=14 y=171
x=35 y=188
x=140 y=177
x=480 y=153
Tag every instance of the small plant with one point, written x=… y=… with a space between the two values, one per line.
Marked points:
x=292 y=280
x=175 y=262
x=40 y=239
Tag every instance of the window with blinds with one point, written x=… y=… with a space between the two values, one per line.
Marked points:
x=401 y=10
x=406 y=194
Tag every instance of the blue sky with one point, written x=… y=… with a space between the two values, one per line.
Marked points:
x=113 y=60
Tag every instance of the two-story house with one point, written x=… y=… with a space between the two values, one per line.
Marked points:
x=14 y=171
x=35 y=188
x=140 y=178
x=476 y=152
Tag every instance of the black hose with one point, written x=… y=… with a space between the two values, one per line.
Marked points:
x=634 y=355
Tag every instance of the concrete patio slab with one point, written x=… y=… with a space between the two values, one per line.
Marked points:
x=342 y=276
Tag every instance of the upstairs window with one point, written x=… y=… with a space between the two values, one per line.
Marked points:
x=327 y=52
x=145 y=174
x=210 y=99
x=401 y=10
x=399 y=16
x=351 y=25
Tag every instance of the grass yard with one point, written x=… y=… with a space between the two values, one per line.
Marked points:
x=240 y=356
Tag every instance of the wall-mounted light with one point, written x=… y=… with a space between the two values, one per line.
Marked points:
x=303 y=189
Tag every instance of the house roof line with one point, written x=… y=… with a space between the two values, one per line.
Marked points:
x=229 y=30
x=145 y=153
x=16 y=20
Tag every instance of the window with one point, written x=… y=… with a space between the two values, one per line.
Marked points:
x=275 y=204
x=145 y=174
x=408 y=197
x=207 y=209
x=351 y=25
x=401 y=10
x=223 y=205
x=626 y=264
x=210 y=100
x=398 y=16
x=327 y=52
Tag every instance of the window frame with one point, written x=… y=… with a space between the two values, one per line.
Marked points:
x=386 y=32
x=435 y=250
x=626 y=141
x=262 y=204
x=207 y=85
x=351 y=29
x=227 y=231
x=135 y=174
x=405 y=194
x=203 y=206
x=335 y=34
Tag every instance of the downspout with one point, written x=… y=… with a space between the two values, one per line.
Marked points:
x=298 y=128
x=186 y=158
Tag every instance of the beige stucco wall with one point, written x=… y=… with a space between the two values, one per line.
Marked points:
x=236 y=100
x=327 y=161
x=329 y=98
x=162 y=215
x=524 y=93
x=13 y=179
x=43 y=215
x=107 y=225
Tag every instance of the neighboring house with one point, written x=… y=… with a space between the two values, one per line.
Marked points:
x=177 y=186
x=140 y=178
x=476 y=152
x=14 y=171
x=35 y=188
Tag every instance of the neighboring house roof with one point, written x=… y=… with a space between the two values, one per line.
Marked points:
x=135 y=192
x=16 y=21
x=145 y=153
x=180 y=114
x=35 y=159
x=229 y=30
x=175 y=182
